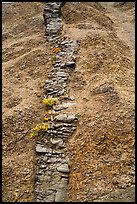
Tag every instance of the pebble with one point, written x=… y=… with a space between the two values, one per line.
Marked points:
x=56 y=141
x=41 y=149
x=71 y=64
x=64 y=183
x=62 y=106
x=64 y=175
x=60 y=195
x=63 y=168
x=61 y=74
x=59 y=107
x=61 y=117
x=65 y=118
x=71 y=118
x=72 y=98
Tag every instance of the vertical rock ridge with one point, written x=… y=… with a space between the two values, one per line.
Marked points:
x=53 y=165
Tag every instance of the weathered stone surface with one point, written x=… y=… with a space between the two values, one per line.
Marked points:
x=63 y=168
x=61 y=117
x=56 y=141
x=64 y=183
x=60 y=195
x=62 y=106
x=48 y=199
x=65 y=175
x=71 y=118
x=62 y=74
x=65 y=117
x=40 y=149
x=51 y=183
x=71 y=64
x=57 y=125
x=57 y=152
x=39 y=171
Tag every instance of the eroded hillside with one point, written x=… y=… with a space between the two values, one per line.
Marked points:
x=101 y=151
x=26 y=62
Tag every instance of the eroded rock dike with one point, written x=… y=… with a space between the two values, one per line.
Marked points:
x=53 y=166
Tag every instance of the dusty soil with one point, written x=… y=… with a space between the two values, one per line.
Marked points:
x=26 y=62
x=102 y=149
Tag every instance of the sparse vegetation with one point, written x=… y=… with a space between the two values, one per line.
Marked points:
x=39 y=128
x=56 y=49
x=53 y=58
x=43 y=127
x=49 y=102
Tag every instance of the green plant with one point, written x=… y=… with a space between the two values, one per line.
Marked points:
x=53 y=58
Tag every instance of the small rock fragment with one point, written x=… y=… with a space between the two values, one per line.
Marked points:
x=63 y=168
x=60 y=195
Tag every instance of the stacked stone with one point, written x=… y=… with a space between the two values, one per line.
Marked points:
x=53 y=21
x=53 y=165
x=65 y=62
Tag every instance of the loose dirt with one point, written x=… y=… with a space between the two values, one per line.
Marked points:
x=26 y=63
x=102 y=149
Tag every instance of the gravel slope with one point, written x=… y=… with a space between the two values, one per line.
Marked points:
x=102 y=149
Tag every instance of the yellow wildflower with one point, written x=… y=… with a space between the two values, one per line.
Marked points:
x=46 y=119
x=50 y=101
x=32 y=135
x=56 y=49
x=37 y=127
x=44 y=126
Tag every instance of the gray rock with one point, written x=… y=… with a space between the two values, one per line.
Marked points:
x=61 y=117
x=71 y=118
x=42 y=166
x=61 y=74
x=63 y=168
x=48 y=81
x=67 y=125
x=64 y=175
x=38 y=200
x=50 y=196
x=71 y=64
x=60 y=195
x=45 y=158
x=64 y=183
x=62 y=65
x=52 y=160
x=40 y=149
x=72 y=98
x=39 y=178
x=39 y=171
x=56 y=141
x=59 y=107
x=62 y=106
x=57 y=125
x=47 y=179
x=57 y=152
x=66 y=42
x=65 y=118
